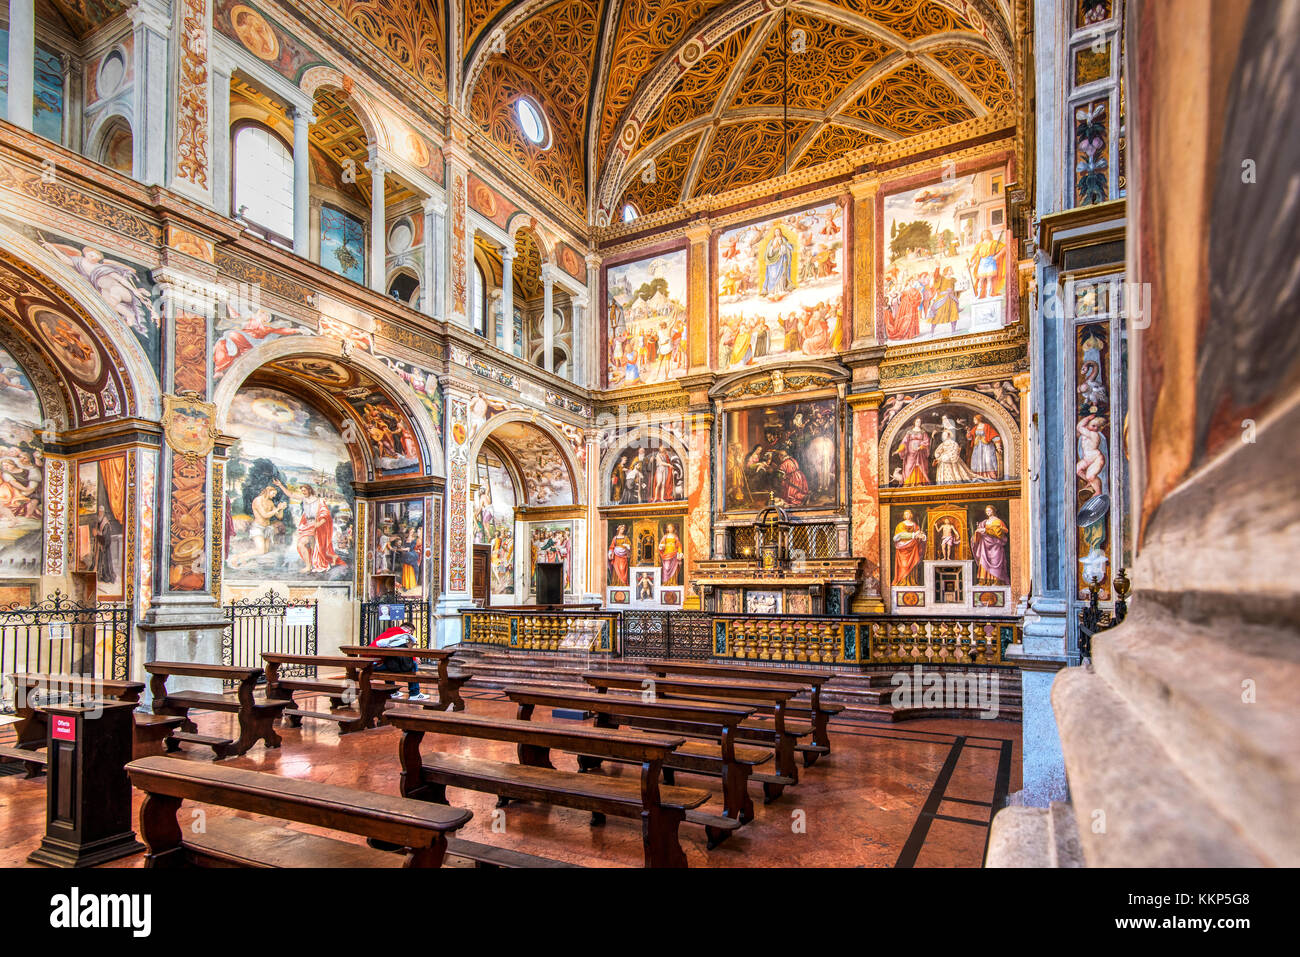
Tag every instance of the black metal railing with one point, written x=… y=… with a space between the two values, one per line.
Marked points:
x=61 y=636
x=272 y=623
x=390 y=610
x=685 y=635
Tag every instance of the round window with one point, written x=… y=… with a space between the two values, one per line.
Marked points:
x=531 y=122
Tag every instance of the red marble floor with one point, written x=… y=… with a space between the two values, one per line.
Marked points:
x=918 y=793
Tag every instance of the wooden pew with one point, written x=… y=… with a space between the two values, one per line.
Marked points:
x=32 y=725
x=723 y=759
x=448 y=685
x=661 y=808
x=783 y=734
x=355 y=703
x=817 y=713
x=256 y=718
x=418 y=828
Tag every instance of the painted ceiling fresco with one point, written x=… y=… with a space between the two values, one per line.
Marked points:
x=657 y=103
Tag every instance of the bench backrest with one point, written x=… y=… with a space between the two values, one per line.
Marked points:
x=194 y=669
x=598 y=741
x=761 y=691
x=401 y=821
x=325 y=661
x=740 y=672
x=703 y=713
x=429 y=654
x=24 y=682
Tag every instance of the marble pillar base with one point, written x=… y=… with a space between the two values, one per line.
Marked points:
x=181 y=628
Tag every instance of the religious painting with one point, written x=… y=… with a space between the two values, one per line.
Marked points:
x=908 y=538
x=784 y=455
x=644 y=590
x=947 y=444
x=342 y=243
x=946 y=258
x=618 y=555
x=990 y=542
x=393 y=446
x=125 y=289
x=539 y=461
x=399 y=544
x=1092 y=448
x=425 y=386
x=671 y=552
x=289 y=492
x=645 y=309
x=494 y=519
x=242 y=327
x=22 y=472
x=552 y=542
x=646 y=473
x=101 y=524
x=780 y=292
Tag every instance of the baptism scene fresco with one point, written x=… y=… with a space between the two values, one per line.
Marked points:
x=780 y=288
x=289 y=492
x=945 y=258
x=494 y=519
x=22 y=473
x=646 y=310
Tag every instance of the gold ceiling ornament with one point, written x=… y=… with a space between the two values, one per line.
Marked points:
x=411 y=33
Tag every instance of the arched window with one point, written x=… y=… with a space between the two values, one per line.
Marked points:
x=262 y=174
x=532 y=122
x=478 y=296
x=630 y=212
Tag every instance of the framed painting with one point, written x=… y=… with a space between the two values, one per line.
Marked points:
x=785 y=455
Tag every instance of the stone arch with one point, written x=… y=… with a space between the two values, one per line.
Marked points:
x=144 y=398
x=990 y=409
x=561 y=446
x=319 y=77
x=107 y=122
x=427 y=433
x=651 y=435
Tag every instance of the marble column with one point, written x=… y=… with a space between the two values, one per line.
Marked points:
x=72 y=102
x=151 y=90
x=578 y=365
x=508 y=299
x=698 y=505
x=221 y=138
x=22 y=62
x=864 y=497
x=593 y=335
x=434 y=209
x=378 y=242
x=595 y=537
x=302 y=120
x=548 y=318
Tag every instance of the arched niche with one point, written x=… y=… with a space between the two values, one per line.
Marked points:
x=332 y=351
x=929 y=406
x=651 y=440
x=541 y=454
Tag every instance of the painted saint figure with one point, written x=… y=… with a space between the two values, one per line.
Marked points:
x=100 y=559
x=949 y=466
x=986 y=261
x=777 y=263
x=620 y=554
x=914 y=448
x=909 y=541
x=989 y=545
x=986 y=449
x=315 y=535
x=949 y=539
x=670 y=556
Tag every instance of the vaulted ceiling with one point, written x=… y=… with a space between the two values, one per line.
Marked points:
x=655 y=103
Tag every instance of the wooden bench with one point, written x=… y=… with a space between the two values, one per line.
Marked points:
x=418 y=828
x=723 y=758
x=32 y=726
x=660 y=807
x=779 y=731
x=256 y=718
x=355 y=703
x=448 y=685
x=817 y=712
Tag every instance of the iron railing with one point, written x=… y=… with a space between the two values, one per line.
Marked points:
x=272 y=623
x=685 y=635
x=389 y=610
x=61 y=636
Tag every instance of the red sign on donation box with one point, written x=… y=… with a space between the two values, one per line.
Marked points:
x=64 y=728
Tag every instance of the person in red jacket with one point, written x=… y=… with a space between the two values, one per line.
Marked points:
x=399 y=636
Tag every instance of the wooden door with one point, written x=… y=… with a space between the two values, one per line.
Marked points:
x=482 y=569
